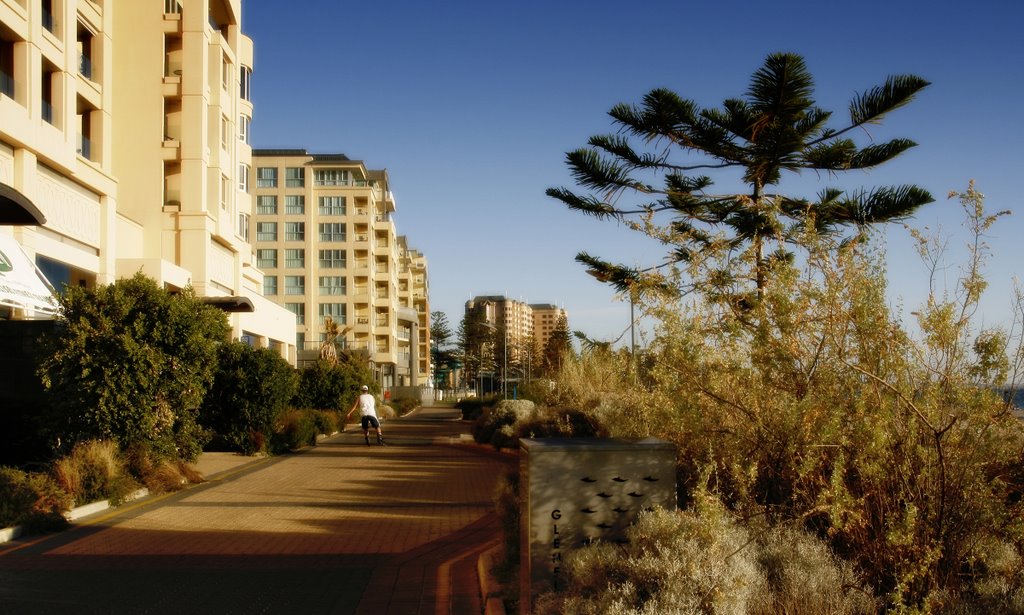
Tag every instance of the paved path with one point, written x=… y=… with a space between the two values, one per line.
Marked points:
x=339 y=528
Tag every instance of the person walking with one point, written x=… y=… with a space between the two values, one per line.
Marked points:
x=367 y=406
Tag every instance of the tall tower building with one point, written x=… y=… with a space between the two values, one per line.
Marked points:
x=327 y=246
x=545 y=320
x=126 y=124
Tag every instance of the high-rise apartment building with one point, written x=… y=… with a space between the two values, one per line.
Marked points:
x=127 y=125
x=528 y=328
x=545 y=320
x=326 y=243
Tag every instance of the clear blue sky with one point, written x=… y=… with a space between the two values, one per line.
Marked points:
x=471 y=105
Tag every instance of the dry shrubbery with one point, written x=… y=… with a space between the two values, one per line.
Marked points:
x=812 y=407
x=94 y=471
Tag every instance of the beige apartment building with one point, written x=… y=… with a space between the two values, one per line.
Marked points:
x=127 y=125
x=327 y=247
x=528 y=328
x=545 y=320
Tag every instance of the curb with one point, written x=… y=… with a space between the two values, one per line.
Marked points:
x=8 y=534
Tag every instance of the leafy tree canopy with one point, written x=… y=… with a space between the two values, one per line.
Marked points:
x=775 y=127
x=132 y=363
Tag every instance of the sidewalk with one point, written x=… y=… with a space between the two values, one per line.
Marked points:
x=337 y=528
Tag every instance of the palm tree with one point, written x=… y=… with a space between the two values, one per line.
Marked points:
x=775 y=127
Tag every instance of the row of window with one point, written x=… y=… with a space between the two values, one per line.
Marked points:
x=336 y=311
x=295 y=177
x=296 y=258
x=295 y=204
x=296 y=231
x=296 y=285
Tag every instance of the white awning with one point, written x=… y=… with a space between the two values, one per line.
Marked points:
x=21 y=284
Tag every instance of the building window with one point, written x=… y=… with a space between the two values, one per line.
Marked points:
x=85 y=37
x=243 y=128
x=332 y=259
x=335 y=310
x=295 y=204
x=243 y=226
x=332 y=231
x=225 y=133
x=299 y=309
x=47 y=98
x=269 y=285
x=266 y=204
x=47 y=9
x=225 y=73
x=295 y=177
x=295 y=285
x=266 y=231
x=243 y=177
x=225 y=192
x=295 y=258
x=332 y=206
x=245 y=83
x=266 y=259
x=7 y=68
x=332 y=285
x=294 y=231
x=330 y=177
x=266 y=177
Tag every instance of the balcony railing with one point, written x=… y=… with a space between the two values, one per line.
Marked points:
x=172 y=6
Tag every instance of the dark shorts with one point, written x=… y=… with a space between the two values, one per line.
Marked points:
x=370 y=420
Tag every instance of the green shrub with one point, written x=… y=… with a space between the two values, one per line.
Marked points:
x=325 y=421
x=333 y=386
x=295 y=429
x=132 y=363
x=473 y=407
x=32 y=500
x=560 y=423
x=405 y=405
x=94 y=471
x=496 y=426
x=251 y=388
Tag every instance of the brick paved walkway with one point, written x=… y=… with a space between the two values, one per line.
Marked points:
x=339 y=528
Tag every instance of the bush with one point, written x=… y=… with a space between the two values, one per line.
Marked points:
x=332 y=386
x=165 y=348
x=496 y=425
x=250 y=390
x=673 y=562
x=94 y=471
x=560 y=423
x=160 y=475
x=405 y=405
x=473 y=407
x=32 y=500
x=295 y=429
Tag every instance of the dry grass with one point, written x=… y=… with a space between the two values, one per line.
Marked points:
x=94 y=471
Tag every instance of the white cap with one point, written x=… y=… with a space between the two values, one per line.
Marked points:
x=366 y=388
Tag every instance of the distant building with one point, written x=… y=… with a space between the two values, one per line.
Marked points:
x=545 y=320
x=127 y=125
x=529 y=327
x=327 y=246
